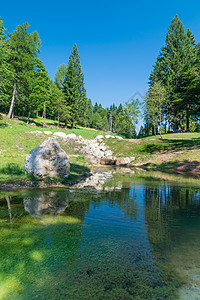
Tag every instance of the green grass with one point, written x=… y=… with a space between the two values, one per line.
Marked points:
x=17 y=139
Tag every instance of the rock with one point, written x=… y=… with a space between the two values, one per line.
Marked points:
x=98 y=153
x=124 y=160
x=60 y=134
x=47 y=160
x=48 y=132
x=108 y=153
x=102 y=147
x=119 y=137
x=107 y=161
x=81 y=139
x=32 y=125
x=107 y=136
x=96 y=180
x=38 y=131
x=99 y=137
x=71 y=136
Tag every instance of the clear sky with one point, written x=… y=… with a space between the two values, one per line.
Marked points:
x=118 y=41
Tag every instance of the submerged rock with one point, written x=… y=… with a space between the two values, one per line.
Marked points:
x=47 y=160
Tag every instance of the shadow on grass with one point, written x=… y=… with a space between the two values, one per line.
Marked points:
x=170 y=145
x=184 y=166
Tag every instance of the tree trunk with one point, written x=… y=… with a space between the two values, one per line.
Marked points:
x=10 y=113
x=58 y=124
x=187 y=121
x=9 y=208
x=44 y=115
x=29 y=113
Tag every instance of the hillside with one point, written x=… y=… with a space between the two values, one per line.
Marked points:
x=176 y=152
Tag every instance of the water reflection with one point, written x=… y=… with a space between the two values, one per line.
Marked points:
x=46 y=202
x=128 y=243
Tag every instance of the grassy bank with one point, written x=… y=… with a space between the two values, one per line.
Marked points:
x=177 y=152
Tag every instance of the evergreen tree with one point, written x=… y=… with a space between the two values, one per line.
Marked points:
x=22 y=50
x=88 y=116
x=81 y=91
x=71 y=92
x=177 y=56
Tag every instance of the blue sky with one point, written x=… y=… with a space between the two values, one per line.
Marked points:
x=118 y=41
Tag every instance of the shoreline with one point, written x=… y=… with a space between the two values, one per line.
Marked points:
x=27 y=184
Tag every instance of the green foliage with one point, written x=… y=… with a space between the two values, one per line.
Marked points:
x=155 y=104
x=11 y=169
x=60 y=75
x=177 y=69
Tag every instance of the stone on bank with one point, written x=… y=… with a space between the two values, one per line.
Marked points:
x=47 y=160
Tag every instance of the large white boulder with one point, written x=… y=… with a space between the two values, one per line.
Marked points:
x=47 y=160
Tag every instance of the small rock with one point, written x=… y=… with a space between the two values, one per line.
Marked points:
x=71 y=136
x=119 y=137
x=48 y=132
x=60 y=134
x=107 y=136
x=124 y=160
x=38 y=131
x=107 y=161
x=99 y=137
x=108 y=153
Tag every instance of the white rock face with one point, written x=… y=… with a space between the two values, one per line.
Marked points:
x=47 y=160
x=48 y=132
x=60 y=134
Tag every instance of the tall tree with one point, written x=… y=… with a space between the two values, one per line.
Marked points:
x=71 y=92
x=23 y=48
x=81 y=91
x=177 y=56
x=132 y=109
x=154 y=105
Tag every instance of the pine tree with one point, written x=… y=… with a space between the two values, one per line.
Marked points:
x=177 y=56
x=88 y=116
x=81 y=91
x=154 y=105
x=71 y=92
x=22 y=50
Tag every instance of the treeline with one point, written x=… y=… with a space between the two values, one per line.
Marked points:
x=26 y=89
x=173 y=99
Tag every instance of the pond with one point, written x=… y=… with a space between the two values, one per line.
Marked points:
x=134 y=239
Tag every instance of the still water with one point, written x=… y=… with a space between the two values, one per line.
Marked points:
x=139 y=241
